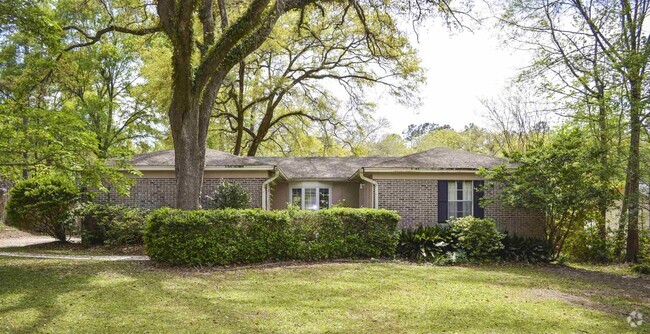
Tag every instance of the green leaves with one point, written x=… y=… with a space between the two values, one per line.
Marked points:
x=42 y=205
x=223 y=237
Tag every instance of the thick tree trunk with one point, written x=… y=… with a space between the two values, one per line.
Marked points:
x=189 y=155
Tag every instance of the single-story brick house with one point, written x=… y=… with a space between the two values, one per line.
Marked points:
x=424 y=188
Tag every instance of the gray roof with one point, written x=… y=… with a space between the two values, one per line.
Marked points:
x=443 y=158
x=212 y=158
x=325 y=168
x=304 y=168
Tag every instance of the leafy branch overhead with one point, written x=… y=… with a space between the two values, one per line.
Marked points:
x=295 y=74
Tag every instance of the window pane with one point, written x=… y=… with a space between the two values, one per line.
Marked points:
x=467 y=208
x=468 y=191
x=311 y=199
x=324 y=198
x=451 y=191
x=460 y=199
x=296 y=197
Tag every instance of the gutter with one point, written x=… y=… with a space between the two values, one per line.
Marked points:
x=265 y=187
x=375 y=189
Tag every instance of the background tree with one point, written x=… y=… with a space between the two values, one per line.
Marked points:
x=472 y=139
x=555 y=178
x=414 y=131
x=591 y=40
x=100 y=84
x=297 y=72
x=390 y=145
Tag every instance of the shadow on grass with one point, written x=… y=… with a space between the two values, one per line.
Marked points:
x=75 y=248
x=354 y=297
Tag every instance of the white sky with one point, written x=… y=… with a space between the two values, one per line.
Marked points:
x=461 y=67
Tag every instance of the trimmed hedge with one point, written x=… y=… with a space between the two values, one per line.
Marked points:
x=229 y=236
x=111 y=225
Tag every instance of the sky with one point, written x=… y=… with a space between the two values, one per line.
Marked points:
x=461 y=68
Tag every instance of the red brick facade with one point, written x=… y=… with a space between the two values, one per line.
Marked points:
x=416 y=200
x=154 y=193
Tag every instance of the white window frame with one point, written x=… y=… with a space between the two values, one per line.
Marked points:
x=471 y=200
x=310 y=185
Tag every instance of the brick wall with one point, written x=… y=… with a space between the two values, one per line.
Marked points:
x=253 y=185
x=515 y=221
x=416 y=200
x=154 y=193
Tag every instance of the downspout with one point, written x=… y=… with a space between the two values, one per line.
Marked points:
x=375 y=189
x=265 y=187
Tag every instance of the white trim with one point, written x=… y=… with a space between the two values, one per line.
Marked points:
x=310 y=185
x=456 y=201
x=266 y=190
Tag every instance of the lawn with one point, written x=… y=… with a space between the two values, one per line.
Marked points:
x=46 y=296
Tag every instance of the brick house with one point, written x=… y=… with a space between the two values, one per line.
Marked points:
x=425 y=188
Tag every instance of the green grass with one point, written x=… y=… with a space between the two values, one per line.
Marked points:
x=48 y=296
x=613 y=268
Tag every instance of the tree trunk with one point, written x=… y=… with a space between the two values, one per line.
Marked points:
x=604 y=170
x=632 y=249
x=264 y=127
x=189 y=154
x=240 y=110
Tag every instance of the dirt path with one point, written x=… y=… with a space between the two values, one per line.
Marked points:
x=77 y=257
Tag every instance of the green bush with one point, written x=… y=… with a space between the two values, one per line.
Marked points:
x=425 y=243
x=643 y=269
x=586 y=245
x=231 y=195
x=43 y=205
x=111 y=225
x=478 y=238
x=525 y=249
x=222 y=237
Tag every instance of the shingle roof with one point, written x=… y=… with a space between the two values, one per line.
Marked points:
x=305 y=168
x=212 y=158
x=302 y=168
x=443 y=158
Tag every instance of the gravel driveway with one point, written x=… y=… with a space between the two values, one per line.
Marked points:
x=22 y=241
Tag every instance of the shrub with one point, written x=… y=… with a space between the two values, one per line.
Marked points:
x=222 y=237
x=425 y=243
x=586 y=245
x=478 y=238
x=43 y=205
x=643 y=269
x=231 y=195
x=525 y=249
x=111 y=225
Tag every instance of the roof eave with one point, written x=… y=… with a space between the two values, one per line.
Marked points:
x=207 y=168
x=417 y=170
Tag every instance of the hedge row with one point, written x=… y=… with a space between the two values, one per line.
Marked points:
x=222 y=237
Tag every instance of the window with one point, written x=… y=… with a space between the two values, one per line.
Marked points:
x=310 y=198
x=460 y=199
x=323 y=198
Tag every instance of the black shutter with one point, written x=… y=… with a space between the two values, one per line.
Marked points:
x=478 y=194
x=442 y=201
